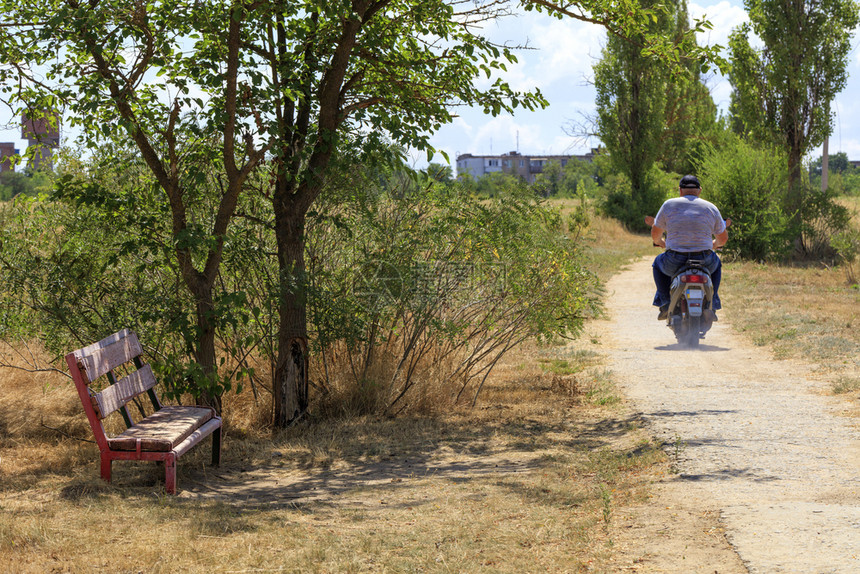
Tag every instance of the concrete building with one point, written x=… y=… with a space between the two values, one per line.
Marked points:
x=7 y=151
x=44 y=133
x=524 y=166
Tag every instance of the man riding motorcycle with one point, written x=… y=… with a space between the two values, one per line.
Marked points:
x=694 y=229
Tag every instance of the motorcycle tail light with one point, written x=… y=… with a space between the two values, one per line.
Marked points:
x=693 y=279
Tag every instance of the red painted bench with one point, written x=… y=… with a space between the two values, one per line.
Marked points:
x=165 y=435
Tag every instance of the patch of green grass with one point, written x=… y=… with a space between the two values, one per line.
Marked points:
x=559 y=367
x=846 y=385
x=602 y=389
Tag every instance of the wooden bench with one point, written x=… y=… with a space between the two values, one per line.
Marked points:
x=163 y=436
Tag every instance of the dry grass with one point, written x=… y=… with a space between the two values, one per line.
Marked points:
x=528 y=481
x=806 y=313
x=610 y=246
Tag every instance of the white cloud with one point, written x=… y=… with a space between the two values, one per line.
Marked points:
x=725 y=17
x=556 y=51
x=567 y=51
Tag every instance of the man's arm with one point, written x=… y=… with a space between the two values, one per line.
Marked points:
x=657 y=236
x=721 y=239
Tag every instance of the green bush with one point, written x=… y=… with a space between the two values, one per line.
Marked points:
x=410 y=292
x=621 y=204
x=748 y=185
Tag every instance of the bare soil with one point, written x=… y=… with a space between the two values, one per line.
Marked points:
x=766 y=464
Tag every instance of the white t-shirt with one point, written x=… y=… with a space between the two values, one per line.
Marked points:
x=690 y=223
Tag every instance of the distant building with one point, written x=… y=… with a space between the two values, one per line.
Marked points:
x=7 y=151
x=524 y=166
x=44 y=133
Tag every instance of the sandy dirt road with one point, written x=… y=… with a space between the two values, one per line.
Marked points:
x=757 y=443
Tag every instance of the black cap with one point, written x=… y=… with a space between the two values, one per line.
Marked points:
x=690 y=182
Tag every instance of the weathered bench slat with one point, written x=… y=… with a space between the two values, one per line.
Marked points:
x=196 y=437
x=109 y=353
x=116 y=396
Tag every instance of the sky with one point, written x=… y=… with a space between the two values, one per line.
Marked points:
x=559 y=64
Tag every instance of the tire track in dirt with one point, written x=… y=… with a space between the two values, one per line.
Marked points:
x=753 y=437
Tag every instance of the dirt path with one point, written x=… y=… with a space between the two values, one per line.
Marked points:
x=756 y=442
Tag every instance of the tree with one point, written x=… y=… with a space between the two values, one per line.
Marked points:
x=630 y=106
x=13 y=183
x=782 y=92
x=548 y=181
x=439 y=172
x=648 y=112
x=690 y=115
x=837 y=163
x=99 y=61
x=291 y=82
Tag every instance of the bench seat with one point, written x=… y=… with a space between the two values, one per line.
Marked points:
x=163 y=430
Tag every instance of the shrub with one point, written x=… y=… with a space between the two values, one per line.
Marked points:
x=631 y=210
x=847 y=246
x=748 y=185
x=416 y=298
x=821 y=219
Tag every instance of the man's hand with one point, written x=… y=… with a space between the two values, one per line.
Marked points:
x=649 y=221
x=657 y=236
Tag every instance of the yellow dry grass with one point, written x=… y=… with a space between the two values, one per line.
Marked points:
x=801 y=313
x=527 y=481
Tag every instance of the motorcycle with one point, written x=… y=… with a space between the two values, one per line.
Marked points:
x=690 y=314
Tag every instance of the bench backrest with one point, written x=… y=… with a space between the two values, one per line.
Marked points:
x=102 y=358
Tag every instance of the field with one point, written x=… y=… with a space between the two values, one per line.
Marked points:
x=533 y=479
x=530 y=479
x=801 y=312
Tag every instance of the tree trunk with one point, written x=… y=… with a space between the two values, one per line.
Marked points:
x=205 y=351
x=290 y=385
x=637 y=177
x=795 y=179
x=825 y=164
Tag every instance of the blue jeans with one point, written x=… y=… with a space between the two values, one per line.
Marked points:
x=668 y=263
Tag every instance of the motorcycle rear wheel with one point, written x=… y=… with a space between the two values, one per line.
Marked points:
x=694 y=325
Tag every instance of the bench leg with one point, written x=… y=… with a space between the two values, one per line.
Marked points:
x=106 y=467
x=216 y=447
x=170 y=473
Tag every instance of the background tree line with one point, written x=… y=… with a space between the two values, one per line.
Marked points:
x=655 y=123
